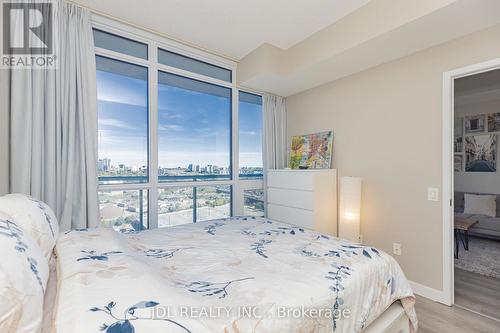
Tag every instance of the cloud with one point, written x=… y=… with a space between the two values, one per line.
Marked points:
x=162 y=127
x=250 y=133
x=124 y=91
x=115 y=123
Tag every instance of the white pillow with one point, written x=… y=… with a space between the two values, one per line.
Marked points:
x=34 y=217
x=23 y=278
x=480 y=204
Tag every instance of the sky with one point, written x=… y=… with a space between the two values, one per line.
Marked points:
x=193 y=127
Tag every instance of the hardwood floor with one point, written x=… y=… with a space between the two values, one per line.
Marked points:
x=438 y=318
x=477 y=292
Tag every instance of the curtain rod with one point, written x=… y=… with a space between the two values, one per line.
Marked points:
x=158 y=33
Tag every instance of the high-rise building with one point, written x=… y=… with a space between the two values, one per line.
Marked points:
x=104 y=164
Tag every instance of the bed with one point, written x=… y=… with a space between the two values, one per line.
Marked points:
x=242 y=274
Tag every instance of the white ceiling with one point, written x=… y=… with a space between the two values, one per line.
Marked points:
x=230 y=27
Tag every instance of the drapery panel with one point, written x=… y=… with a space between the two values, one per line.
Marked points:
x=274 y=132
x=53 y=112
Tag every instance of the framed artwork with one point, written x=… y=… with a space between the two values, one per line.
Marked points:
x=481 y=153
x=474 y=124
x=458 y=130
x=458 y=145
x=458 y=163
x=494 y=122
x=312 y=151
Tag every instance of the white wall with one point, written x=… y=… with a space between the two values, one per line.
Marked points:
x=4 y=132
x=478 y=182
x=387 y=124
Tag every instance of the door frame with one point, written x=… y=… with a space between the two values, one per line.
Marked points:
x=448 y=174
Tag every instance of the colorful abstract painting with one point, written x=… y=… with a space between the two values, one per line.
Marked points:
x=313 y=151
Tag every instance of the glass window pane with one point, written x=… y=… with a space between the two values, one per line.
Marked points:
x=192 y=65
x=122 y=103
x=254 y=202
x=120 y=44
x=124 y=210
x=194 y=129
x=213 y=202
x=250 y=135
x=175 y=206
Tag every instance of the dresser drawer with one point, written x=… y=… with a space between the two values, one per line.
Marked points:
x=291 y=180
x=295 y=216
x=291 y=198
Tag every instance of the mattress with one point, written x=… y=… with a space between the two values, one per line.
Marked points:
x=231 y=275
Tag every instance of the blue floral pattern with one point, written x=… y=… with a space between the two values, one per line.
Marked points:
x=259 y=247
x=339 y=273
x=281 y=231
x=163 y=253
x=94 y=255
x=43 y=208
x=124 y=324
x=206 y=288
x=212 y=227
x=10 y=229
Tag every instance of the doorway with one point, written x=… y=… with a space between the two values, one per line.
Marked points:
x=471 y=188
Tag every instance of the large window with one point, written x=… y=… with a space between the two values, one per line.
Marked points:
x=122 y=102
x=254 y=202
x=194 y=129
x=178 y=142
x=124 y=210
x=250 y=135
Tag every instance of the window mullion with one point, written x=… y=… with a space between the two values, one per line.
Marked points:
x=237 y=201
x=153 y=138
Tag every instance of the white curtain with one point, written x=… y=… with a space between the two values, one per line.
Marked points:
x=274 y=132
x=54 y=124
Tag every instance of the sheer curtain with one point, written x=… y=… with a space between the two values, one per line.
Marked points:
x=54 y=124
x=274 y=132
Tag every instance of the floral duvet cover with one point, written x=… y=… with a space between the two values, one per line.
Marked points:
x=240 y=274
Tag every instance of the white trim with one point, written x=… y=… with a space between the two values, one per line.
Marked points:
x=153 y=138
x=195 y=76
x=427 y=292
x=238 y=204
x=447 y=295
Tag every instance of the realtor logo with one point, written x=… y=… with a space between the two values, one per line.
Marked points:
x=28 y=34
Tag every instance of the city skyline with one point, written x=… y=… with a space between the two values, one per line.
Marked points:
x=105 y=164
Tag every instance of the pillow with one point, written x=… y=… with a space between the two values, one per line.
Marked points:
x=23 y=278
x=34 y=217
x=480 y=204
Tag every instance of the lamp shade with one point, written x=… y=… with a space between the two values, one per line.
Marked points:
x=350 y=208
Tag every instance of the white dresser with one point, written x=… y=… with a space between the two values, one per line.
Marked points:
x=305 y=198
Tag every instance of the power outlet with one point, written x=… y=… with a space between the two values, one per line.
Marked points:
x=396 y=249
x=433 y=194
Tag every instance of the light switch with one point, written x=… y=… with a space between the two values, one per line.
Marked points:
x=433 y=194
x=396 y=249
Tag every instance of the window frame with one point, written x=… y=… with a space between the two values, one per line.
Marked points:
x=155 y=42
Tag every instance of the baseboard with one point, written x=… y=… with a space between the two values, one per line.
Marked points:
x=428 y=292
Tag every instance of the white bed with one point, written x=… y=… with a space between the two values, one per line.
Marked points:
x=112 y=282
